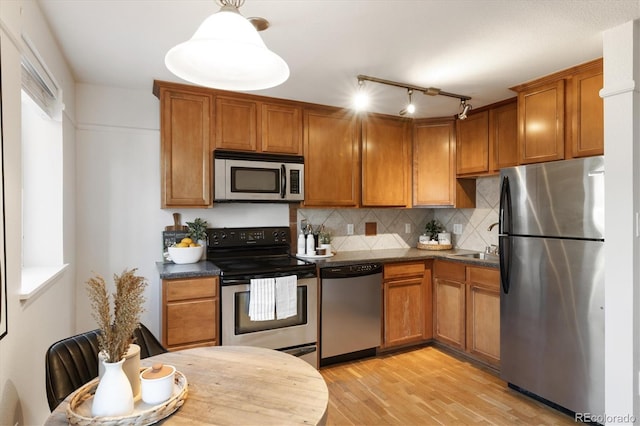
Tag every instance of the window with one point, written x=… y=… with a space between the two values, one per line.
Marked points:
x=42 y=180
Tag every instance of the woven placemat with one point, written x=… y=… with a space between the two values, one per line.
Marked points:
x=143 y=414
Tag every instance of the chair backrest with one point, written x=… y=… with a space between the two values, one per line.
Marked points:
x=72 y=362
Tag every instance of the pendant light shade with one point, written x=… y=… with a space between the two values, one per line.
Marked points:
x=226 y=52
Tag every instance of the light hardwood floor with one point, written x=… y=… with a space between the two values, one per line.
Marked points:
x=427 y=386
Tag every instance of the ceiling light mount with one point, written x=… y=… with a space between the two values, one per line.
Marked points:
x=226 y=52
x=430 y=91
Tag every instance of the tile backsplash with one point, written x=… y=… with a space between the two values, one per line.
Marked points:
x=401 y=228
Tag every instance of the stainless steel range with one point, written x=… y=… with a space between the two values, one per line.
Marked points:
x=249 y=257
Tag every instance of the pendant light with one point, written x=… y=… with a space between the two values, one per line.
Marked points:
x=226 y=52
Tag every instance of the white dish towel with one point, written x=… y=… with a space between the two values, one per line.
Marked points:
x=262 y=299
x=286 y=296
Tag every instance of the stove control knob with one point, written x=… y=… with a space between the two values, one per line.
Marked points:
x=223 y=235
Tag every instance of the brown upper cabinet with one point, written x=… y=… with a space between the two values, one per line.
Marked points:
x=332 y=157
x=186 y=135
x=503 y=135
x=561 y=115
x=386 y=164
x=487 y=140
x=434 y=166
x=249 y=125
x=472 y=144
x=586 y=109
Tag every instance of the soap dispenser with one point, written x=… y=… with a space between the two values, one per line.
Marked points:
x=301 y=243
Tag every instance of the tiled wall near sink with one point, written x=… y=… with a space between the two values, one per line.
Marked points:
x=391 y=226
x=475 y=222
x=391 y=223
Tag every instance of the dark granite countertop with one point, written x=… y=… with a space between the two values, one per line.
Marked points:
x=399 y=255
x=170 y=270
x=205 y=268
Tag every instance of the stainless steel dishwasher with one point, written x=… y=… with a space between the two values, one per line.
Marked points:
x=350 y=311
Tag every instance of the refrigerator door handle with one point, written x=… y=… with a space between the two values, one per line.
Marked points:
x=505 y=230
x=505 y=207
x=505 y=262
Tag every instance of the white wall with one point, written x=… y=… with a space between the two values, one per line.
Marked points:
x=49 y=316
x=622 y=204
x=119 y=219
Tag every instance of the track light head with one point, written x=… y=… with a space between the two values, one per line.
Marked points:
x=465 y=109
x=410 y=108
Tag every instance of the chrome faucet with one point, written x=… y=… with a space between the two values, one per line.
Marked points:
x=492 y=226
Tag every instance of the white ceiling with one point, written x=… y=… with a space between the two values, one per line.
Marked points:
x=477 y=48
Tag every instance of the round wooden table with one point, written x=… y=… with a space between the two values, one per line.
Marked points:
x=240 y=385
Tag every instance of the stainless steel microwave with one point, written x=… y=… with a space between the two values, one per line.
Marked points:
x=242 y=176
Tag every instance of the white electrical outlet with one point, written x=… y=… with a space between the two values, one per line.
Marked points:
x=349 y=228
x=407 y=228
x=457 y=228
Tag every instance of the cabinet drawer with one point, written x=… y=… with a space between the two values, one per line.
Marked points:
x=487 y=277
x=404 y=269
x=449 y=270
x=191 y=322
x=192 y=288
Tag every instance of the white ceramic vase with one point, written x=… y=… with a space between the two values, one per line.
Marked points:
x=113 y=396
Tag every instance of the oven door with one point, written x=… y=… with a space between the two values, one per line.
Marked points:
x=239 y=329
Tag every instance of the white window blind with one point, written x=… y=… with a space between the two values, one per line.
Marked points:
x=37 y=81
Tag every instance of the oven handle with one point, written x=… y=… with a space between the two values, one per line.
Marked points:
x=245 y=281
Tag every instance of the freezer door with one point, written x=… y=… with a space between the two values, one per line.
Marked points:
x=559 y=198
x=552 y=321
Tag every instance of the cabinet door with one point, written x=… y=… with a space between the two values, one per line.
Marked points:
x=281 y=129
x=331 y=158
x=449 y=306
x=190 y=315
x=191 y=322
x=427 y=297
x=403 y=311
x=186 y=135
x=541 y=123
x=472 y=148
x=385 y=162
x=236 y=124
x=503 y=136
x=587 y=113
x=483 y=314
x=434 y=164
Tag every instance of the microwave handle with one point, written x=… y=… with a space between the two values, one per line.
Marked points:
x=283 y=181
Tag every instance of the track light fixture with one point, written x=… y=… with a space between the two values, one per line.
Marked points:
x=410 y=108
x=465 y=109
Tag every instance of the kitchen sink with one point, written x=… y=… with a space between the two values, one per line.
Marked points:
x=483 y=256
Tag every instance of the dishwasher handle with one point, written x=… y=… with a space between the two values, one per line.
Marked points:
x=348 y=271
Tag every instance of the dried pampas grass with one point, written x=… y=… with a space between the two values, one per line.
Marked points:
x=117 y=331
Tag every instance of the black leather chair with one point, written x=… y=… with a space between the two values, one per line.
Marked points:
x=72 y=362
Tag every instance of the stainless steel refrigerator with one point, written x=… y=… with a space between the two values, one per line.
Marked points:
x=552 y=278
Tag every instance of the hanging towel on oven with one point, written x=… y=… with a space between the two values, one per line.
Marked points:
x=286 y=296
x=262 y=299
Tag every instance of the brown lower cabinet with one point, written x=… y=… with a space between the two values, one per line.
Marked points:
x=190 y=312
x=466 y=309
x=407 y=303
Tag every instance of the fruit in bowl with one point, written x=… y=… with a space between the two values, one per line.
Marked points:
x=186 y=251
